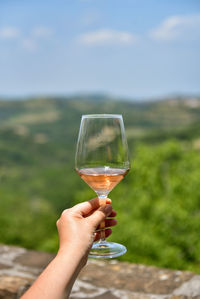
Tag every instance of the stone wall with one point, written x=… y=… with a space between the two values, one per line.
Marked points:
x=99 y=279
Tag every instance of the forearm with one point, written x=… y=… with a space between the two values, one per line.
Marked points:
x=56 y=281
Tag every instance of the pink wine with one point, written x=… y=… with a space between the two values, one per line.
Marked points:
x=102 y=179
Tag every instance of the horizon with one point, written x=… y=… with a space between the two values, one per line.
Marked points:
x=99 y=96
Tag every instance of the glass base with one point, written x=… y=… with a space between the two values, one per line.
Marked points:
x=106 y=250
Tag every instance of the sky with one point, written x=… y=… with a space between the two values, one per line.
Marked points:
x=123 y=48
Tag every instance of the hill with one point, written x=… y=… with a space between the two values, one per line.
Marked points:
x=60 y=117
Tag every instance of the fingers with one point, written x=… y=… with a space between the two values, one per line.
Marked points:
x=108 y=223
x=108 y=232
x=87 y=207
x=99 y=215
x=113 y=214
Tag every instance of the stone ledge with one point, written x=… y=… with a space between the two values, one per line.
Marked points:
x=99 y=279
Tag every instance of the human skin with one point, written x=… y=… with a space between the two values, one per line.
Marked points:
x=77 y=229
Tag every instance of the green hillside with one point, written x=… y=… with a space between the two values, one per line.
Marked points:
x=158 y=203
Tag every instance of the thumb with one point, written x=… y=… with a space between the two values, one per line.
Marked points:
x=99 y=215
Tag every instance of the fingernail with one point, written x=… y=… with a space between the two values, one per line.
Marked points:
x=108 y=209
x=108 y=200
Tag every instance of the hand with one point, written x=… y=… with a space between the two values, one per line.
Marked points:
x=78 y=226
x=77 y=229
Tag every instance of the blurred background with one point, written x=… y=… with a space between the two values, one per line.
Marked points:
x=61 y=59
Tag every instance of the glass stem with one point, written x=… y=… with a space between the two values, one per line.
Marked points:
x=102 y=199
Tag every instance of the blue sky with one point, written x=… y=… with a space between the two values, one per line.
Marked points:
x=130 y=48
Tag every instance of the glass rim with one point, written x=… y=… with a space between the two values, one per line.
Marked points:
x=101 y=116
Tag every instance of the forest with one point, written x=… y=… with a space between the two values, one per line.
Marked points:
x=158 y=203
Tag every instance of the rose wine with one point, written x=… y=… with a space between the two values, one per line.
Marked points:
x=102 y=179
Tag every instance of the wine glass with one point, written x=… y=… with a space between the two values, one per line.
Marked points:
x=102 y=161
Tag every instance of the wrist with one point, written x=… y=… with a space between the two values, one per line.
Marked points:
x=68 y=253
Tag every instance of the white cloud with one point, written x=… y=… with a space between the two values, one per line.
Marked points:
x=42 y=32
x=32 y=41
x=29 y=44
x=107 y=37
x=29 y=41
x=90 y=18
x=9 y=33
x=177 y=27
